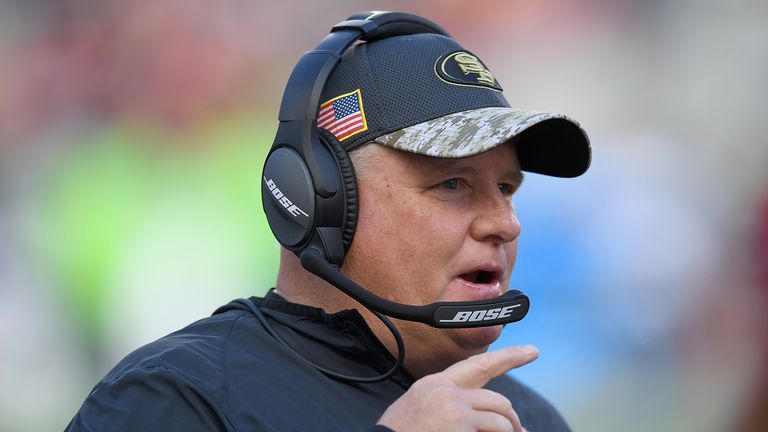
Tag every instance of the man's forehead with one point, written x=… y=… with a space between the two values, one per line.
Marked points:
x=502 y=158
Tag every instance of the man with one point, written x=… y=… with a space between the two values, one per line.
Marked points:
x=438 y=155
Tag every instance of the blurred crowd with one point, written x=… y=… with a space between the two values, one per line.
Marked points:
x=132 y=135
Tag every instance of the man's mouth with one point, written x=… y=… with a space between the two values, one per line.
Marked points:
x=479 y=277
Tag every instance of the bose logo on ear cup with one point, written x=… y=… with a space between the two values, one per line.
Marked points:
x=282 y=199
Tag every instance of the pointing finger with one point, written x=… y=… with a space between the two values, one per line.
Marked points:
x=477 y=370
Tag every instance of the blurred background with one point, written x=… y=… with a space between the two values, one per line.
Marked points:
x=132 y=136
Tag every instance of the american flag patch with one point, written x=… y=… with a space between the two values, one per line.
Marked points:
x=343 y=115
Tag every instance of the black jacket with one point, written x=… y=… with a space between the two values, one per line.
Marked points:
x=226 y=373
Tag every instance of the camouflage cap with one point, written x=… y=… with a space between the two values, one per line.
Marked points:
x=425 y=94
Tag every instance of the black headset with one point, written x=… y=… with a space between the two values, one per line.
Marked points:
x=309 y=190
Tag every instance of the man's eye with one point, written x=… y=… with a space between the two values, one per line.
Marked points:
x=451 y=184
x=506 y=189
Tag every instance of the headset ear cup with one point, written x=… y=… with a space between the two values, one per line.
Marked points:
x=349 y=182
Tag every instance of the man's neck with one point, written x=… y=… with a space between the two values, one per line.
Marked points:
x=299 y=286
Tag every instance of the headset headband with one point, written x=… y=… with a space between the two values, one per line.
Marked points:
x=301 y=99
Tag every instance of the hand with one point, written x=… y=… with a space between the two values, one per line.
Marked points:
x=454 y=400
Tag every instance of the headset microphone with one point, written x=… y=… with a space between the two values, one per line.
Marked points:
x=504 y=309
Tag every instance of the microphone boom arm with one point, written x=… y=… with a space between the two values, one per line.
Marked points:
x=510 y=307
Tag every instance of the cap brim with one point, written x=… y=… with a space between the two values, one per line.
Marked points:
x=547 y=143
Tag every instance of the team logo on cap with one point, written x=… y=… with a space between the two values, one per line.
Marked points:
x=465 y=69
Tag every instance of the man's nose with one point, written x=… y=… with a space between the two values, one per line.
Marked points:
x=496 y=221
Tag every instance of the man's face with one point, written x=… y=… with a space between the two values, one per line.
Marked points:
x=437 y=230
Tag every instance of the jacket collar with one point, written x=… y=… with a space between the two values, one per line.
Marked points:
x=340 y=341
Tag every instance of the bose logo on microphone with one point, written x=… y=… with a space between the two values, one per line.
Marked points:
x=282 y=199
x=481 y=315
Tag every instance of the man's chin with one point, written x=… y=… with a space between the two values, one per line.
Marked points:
x=477 y=339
